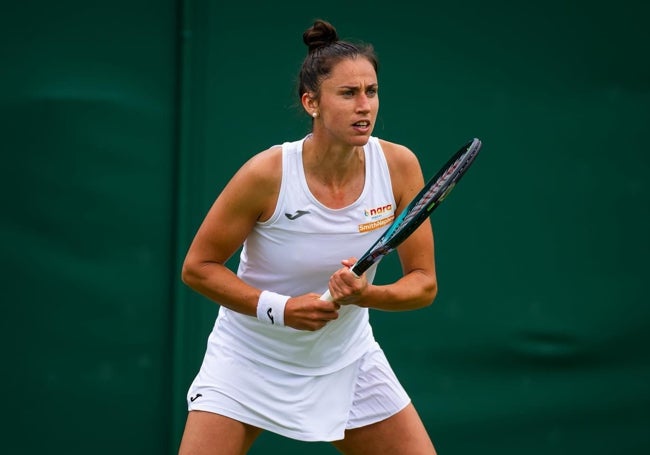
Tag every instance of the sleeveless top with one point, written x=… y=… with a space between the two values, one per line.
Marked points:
x=295 y=252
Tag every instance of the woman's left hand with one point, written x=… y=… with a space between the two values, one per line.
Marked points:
x=345 y=287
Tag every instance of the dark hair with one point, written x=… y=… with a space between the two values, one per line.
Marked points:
x=325 y=51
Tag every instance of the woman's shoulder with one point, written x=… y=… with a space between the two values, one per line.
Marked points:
x=405 y=171
x=264 y=165
x=398 y=156
x=256 y=184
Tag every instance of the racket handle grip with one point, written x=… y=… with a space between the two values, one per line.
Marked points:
x=327 y=296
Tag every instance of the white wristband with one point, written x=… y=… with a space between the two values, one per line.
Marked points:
x=270 y=308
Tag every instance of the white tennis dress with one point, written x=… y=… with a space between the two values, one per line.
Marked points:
x=304 y=384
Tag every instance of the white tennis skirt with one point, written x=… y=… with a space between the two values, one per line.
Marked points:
x=306 y=408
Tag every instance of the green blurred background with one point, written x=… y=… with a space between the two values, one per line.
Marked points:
x=122 y=120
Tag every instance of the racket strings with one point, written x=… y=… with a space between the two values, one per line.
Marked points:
x=429 y=196
x=434 y=192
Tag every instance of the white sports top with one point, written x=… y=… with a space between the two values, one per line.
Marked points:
x=294 y=252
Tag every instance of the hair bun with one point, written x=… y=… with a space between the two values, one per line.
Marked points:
x=321 y=34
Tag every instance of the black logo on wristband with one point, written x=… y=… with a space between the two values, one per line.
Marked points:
x=270 y=315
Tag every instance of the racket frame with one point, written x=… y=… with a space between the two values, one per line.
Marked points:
x=419 y=209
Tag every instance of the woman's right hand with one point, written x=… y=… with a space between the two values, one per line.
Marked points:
x=308 y=312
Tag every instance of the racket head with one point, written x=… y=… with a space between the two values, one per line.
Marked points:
x=423 y=204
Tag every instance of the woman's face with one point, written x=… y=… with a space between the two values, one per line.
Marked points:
x=349 y=102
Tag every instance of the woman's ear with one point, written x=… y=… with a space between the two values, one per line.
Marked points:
x=310 y=104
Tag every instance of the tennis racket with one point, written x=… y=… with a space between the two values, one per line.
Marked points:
x=427 y=200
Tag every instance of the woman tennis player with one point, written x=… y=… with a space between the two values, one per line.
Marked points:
x=279 y=358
